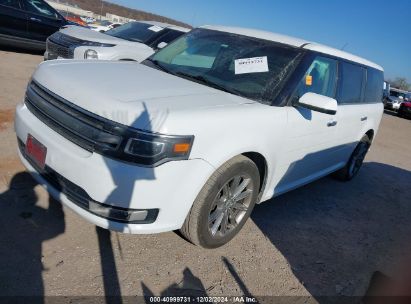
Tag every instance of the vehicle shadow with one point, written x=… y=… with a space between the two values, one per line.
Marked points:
x=125 y=184
x=390 y=112
x=335 y=235
x=192 y=286
x=24 y=226
x=21 y=50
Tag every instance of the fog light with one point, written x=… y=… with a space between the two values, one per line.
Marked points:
x=117 y=214
x=90 y=54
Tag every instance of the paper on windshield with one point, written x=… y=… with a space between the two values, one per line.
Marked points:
x=155 y=28
x=251 y=65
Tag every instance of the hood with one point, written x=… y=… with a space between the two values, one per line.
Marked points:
x=407 y=104
x=127 y=91
x=90 y=35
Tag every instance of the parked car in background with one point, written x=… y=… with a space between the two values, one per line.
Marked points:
x=405 y=109
x=101 y=26
x=131 y=41
x=73 y=18
x=192 y=138
x=28 y=23
x=394 y=100
x=88 y=19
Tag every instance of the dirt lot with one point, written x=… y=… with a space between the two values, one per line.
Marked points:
x=327 y=238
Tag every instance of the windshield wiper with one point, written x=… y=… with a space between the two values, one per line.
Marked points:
x=203 y=80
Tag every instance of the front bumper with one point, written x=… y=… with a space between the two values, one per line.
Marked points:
x=170 y=188
x=405 y=111
x=392 y=106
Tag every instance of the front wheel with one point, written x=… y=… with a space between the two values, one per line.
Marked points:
x=356 y=160
x=223 y=204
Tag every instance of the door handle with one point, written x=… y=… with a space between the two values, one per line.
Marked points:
x=332 y=123
x=364 y=118
x=35 y=19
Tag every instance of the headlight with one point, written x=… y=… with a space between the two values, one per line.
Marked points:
x=153 y=149
x=90 y=54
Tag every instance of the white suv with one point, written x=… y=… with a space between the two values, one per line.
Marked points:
x=219 y=120
x=133 y=41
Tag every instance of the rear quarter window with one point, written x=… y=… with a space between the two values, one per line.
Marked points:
x=374 y=87
x=350 y=83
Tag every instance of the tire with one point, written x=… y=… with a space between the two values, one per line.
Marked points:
x=355 y=162
x=216 y=206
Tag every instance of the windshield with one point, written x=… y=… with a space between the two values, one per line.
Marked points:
x=135 y=31
x=241 y=65
x=397 y=94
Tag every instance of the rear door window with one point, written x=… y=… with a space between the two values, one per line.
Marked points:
x=41 y=8
x=350 y=83
x=374 y=87
x=320 y=78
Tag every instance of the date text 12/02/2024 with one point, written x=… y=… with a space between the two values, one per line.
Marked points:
x=203 y=299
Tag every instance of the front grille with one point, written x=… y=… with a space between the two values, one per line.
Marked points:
x=81 y=127
x=61 y=45
x=55 y=50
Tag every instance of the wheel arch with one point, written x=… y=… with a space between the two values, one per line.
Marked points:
x=370 y=133
x=261 y=163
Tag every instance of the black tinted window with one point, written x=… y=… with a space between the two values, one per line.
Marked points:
x=135 y=31
x=40 y=7
x=374 y=86
x=350 y=83
x=170 y=36
x=11 y=3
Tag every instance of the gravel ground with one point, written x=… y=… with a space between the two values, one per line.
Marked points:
x=324 y=239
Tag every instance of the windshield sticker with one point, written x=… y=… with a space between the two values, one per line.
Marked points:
x=251 y=65
x=155 y=28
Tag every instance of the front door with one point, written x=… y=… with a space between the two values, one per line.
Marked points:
x=310 y=147
x=43 y=20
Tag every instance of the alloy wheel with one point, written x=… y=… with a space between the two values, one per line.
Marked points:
x=230 y=205
x=358 y=158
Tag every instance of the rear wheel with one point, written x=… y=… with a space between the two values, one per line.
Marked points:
x=224 y=204
x=356 y=160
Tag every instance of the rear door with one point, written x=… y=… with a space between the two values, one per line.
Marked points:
x=310 y=147
x=43 y=20
x=352 y=114
x=13 y=19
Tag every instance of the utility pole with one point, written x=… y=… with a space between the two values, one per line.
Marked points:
x=101 y=10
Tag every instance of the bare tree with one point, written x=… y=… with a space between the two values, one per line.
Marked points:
x=400 y=83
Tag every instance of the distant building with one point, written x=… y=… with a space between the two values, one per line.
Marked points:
x=117 y=19
x=70 y=8
x=63 y=6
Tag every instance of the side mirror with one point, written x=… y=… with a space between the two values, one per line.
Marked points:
x=162 y=45
x=319 y=103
